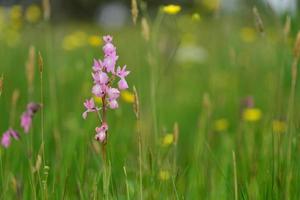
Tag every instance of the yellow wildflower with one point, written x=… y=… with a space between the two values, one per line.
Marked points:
x=279 y=126
x=248 y=34
x=16 y=12
x=74 y=40
x=80 y=37
x=252 y=114
x=172 y=9
x=33 y=13
x=168 y=139
x=211 y=5
x=68 y=43
x=196 y=17
x=94 y=41
x=164 y=175
x=127 y=96
x=221 y=125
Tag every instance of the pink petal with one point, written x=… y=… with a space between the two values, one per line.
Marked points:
x=122 y=84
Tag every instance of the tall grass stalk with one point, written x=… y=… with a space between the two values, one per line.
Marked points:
x=174 y=166
x=30 y=69
x=153 y=59
x=1 y=176
x=175 y=136
x=106 y=179
x=1 y=164
x=290 y=115
x=294 y=72
x=41 y=68
x=196 y=178
x=236 y=197
x=138 y=124
x=126 y=183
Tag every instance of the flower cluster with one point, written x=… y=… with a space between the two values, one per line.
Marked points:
x=26 y=118
x=104 y=74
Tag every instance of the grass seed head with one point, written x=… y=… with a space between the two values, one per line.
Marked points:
x=15 y=97
x=136 y=105
x=287 y=26
x=297 y=46
x=145 y=29
x=258 y=21
x=206 y=101
x=176 y=133
x=134 y=11
x=30 y=66
x=1 y=84
x=38 y=164
x=41 y=63
x=46 y=9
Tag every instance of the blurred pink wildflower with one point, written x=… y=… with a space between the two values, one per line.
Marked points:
x=26 y=121
x=26 y=117
x=7 y=135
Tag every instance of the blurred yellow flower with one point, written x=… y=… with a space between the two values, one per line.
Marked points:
x=80 y=36
x=127 y=96
x=279 y=126
x=196 y=17
x=164 y=175
x=168 y=139
x=248 y=34
x=68 y=43
x=221 y=125
x=94 y=41
x=98 y=100
x=74 y=40
x=33 y=13
x=211 y=5
x=252 y=114
x=15 y=12
x=172 y=9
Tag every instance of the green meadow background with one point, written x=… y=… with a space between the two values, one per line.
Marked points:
x=198 y=140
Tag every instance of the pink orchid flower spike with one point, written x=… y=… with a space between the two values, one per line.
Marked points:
x=104 y=75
